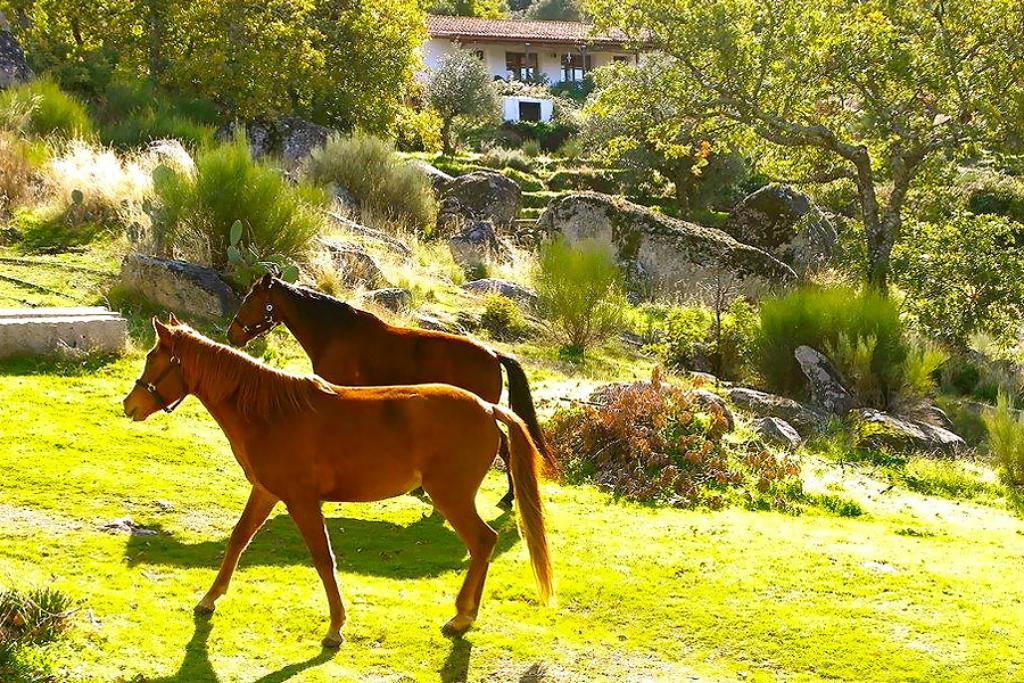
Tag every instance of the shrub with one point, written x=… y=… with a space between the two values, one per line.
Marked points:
x=839 y=506
x=499 y=157
x=653 y=442
x=461 y=93
x=1006 y=440
x=42 y=108
x=692 y=339
x=579 y=291
x=839 y=319
x=131 y=114
x=195 y=212
x=379 y=180
x=502 y=318
x=29 y=620
x=16 y=171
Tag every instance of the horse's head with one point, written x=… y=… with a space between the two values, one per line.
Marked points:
x=162 y=383
x=256 y=314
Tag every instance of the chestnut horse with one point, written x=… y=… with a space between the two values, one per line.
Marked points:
x=303 y=441
x=352 y=347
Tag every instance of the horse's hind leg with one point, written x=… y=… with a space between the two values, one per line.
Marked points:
x=310 y=521
x=257 y=509
x=506 y=500
x=480 y=539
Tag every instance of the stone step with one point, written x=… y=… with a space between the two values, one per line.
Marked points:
x=39 y=331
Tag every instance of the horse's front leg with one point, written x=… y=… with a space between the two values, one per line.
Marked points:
x=310 y=520
x=257 y=509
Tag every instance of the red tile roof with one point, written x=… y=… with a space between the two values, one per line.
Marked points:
x=514 y=30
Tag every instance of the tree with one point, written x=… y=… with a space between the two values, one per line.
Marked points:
x=461 y=91
x=870 y=90
x=484 y=9
x=555 y=10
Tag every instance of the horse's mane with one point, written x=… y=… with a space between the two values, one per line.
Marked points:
x=259 y=390
x=326 y=309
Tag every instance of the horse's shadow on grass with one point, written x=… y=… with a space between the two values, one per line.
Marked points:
x=196 y=666
x=372 y=547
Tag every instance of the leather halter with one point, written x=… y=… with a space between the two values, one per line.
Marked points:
x=266 y=323
x=151 y=387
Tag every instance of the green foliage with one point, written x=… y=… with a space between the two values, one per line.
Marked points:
x=601 y=180
x=822 y=318
x=555 y=10
x=925 y=360
x=28 y=621
x=17 y=169
x=502 y=318
x=131 y=113
x=246 y=265
x=692 y=339
x=418 y=130
x=579 y=287
x=197 y=212
x=42 y=108
x=483 y=9
x=461 y=93
x=998 y=195
x=839 y=506
x=963 y=275
x=654 y=442
x=1005 y=427
x=377 y=177
x=499 y=157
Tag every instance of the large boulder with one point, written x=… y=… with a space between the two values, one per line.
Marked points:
x=438 y=179
x=260 y=135
x=392 y=298
x=805 y=418
x=171 y=153
x=785 y=223
x=357 y=268
x=298 y=138
x=390 y=242
x=476 y=244
x=179 y=286
x=776 y=431
x=824 y=384
x=505 y=288
x=479 y=196
x=14 y=68
x=663 y=254
x=882 y=430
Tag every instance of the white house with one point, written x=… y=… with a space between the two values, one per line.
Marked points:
x=526 y=50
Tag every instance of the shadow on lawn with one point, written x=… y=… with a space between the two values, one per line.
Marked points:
x=373 y=547
x=196 y=667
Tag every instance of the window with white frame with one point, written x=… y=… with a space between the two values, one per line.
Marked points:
x=575 y=66
x=521 y=66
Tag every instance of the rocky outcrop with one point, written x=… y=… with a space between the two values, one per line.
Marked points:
x=179 y=286
x=804 y=418
x=476 y=197
x=778 y=432
x=357 y=268
x=505 y=288
x=712 y=402
x=291 y=137
x=384 y=239
x=785 y=223
x=663 y=254
x=438 y=179
x=171 y=153
x=824 y=385
x=881 y=430
x=477 y=244
x=392 y=298
x=14 y=68
x=439 y=324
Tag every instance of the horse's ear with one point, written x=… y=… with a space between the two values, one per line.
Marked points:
x=267 y=280
x=173 y=319
x=162 y=333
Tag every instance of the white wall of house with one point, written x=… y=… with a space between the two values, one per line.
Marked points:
x=510 y=107
x=549 y=57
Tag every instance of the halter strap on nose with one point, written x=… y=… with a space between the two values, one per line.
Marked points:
x=151 y=387
x=267 y=322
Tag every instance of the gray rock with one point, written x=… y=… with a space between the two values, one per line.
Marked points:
x=298 y=138
x=44 y=331
x=261 y=135
x=783 y=222
x=125 y=525
x=437 y=324
x=506 y=288
x=438 y=179
x=775 y=431
x=389 y=241
x=710 y=401
x=358 y=269
x=805 y=418
x=392 y=298
x=479 y=196
x=14 y=68
x=882 y=430
x=823 y=382
x=938 y=417
x=477 y=244
x=662 y=254
x=179 y=286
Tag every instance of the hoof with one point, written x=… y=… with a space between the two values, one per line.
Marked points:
x=204 y=608
x=457 y=625
x=332 y=641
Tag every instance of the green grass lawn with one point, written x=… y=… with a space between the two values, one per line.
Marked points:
x=919 y=588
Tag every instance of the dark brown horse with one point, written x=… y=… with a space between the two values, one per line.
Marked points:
x=302 y=441
x=352 y=347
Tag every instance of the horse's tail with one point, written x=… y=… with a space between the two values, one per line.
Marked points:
x=521 y=401
x=524 y=459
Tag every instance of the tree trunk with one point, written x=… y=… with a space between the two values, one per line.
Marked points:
x=447 y=148
x=155 y=47
x=683 y=182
